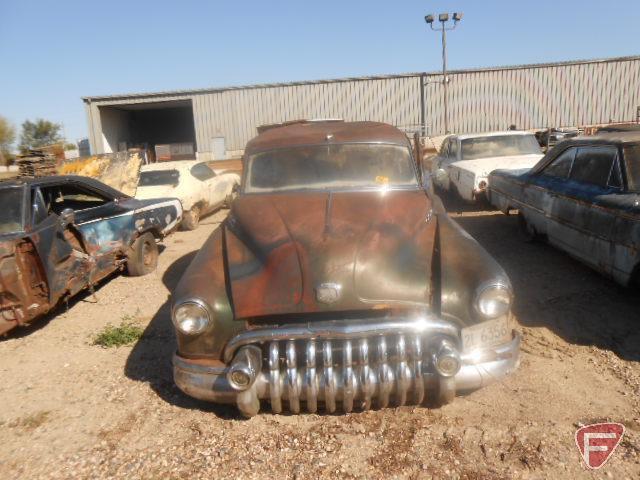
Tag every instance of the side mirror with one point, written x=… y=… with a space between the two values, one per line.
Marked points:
x=67 y=217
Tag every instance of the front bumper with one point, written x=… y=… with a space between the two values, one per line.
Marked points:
x=355 y=370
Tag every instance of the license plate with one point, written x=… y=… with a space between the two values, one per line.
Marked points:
x=486 y=334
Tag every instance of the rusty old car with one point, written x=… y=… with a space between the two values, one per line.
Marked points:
x=63 y=234
x=584 y=198
x=338 y=282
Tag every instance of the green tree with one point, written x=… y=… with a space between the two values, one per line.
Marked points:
x=7 y=137
x=39 y=134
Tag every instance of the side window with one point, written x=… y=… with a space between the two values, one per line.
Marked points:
x=76 y=197
x=561 y=166
x=593 y=165
x=202 y=172
x=632 y=167
x=453 y=149
x=39 y=209
x=615 y=179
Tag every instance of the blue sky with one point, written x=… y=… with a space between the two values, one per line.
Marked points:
x=54 y=52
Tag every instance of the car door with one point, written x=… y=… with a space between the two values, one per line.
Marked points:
x=65 y=263
x=580 y=223
x=101 y=228
x=539 y=191
x=625 y=241
x=206 y=178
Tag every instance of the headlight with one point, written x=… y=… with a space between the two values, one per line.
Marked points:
x=493 y=300
x=191 y=317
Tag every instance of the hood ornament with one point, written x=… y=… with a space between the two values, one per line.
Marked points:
x=328 y=292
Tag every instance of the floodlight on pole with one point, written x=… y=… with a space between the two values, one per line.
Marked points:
x=443 y=18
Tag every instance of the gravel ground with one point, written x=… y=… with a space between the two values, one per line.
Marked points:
x=74 y=410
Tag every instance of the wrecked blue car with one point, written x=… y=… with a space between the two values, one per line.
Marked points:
x=60 y=235
x=584 y=198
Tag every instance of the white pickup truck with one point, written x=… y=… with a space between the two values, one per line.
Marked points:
x=465 y=161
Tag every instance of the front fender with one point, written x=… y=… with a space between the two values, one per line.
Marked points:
x=205 y=279
x=464 y=267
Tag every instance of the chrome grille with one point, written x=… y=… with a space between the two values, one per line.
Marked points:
x=352 y=373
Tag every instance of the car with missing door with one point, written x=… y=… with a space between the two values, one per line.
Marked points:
x=464 y=162
x=338 y=283
x=60 y=235
x=584 y=198
x=200 y=188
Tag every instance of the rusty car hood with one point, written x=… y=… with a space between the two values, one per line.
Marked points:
x=339 y=251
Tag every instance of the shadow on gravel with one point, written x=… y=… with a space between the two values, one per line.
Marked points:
x=150 y=359
x=555 y=291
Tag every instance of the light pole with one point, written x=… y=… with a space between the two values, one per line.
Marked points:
x=443 y=18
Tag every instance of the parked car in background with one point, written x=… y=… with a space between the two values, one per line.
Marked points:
x=584 y=198
x=63 y=234
x=465 y=161
x=200 y=189
x=337 y=281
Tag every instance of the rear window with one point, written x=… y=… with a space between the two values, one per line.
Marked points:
x=159 y=177
x=202 y=172
x=632 y=164
x=499 y=146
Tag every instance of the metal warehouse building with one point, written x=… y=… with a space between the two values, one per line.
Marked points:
x=219 y=121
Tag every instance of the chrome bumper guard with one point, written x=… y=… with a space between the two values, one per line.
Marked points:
x=352 y=365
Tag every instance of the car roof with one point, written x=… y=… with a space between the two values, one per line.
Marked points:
x=465 y=136
x=321 y=132
x=172 y=165
x=51 y=180
x=604 y=138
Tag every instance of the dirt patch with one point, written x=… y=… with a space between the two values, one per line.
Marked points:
x=75 y=410
x=31 y=421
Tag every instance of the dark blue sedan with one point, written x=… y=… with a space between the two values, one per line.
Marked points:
x=584 y=198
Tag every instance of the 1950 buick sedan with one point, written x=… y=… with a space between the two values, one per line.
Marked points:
x=337 y=282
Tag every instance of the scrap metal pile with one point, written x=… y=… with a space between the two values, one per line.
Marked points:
x=37 y=163
x=119 y=170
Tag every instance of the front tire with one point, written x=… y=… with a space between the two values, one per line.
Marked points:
x=191 y=219
x=143 y=256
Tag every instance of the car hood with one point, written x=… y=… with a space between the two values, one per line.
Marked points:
x=483 y=166
x=346 y=251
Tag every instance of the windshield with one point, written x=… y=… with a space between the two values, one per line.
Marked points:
x=159 y=177
x=632 y=164
x=499 y=146
x=11 y=200
x=331 y=167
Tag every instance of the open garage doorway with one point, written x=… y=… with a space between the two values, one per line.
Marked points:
x=147 y=125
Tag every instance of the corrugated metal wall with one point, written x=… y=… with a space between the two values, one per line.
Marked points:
x=566 y=95
x=235 y=114
x=574 y=93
